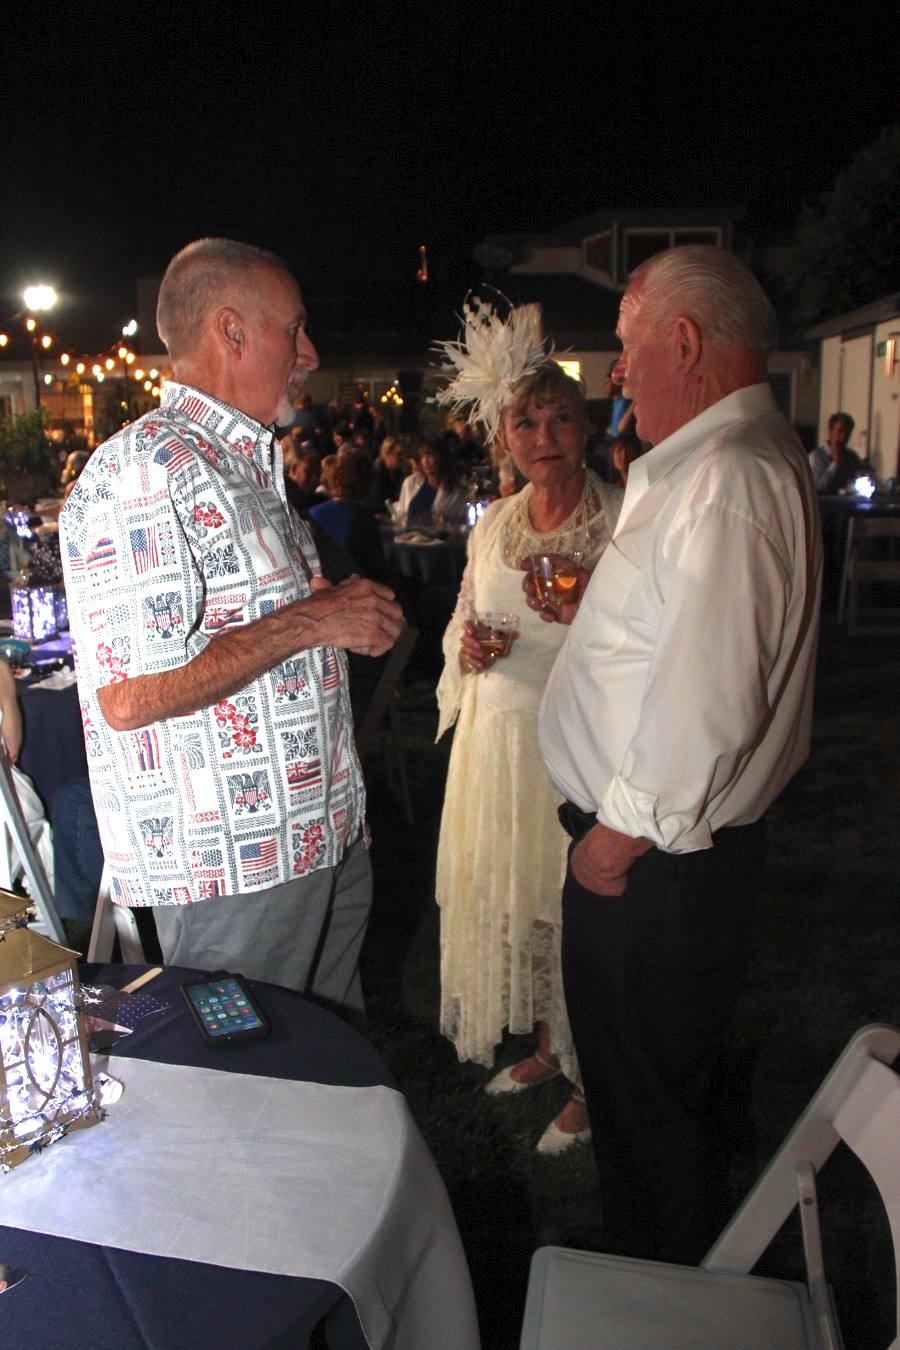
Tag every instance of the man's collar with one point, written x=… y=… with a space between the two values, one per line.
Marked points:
x=753 y=400
x=217 y=417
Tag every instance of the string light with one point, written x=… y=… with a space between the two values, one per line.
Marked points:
x=71 y=366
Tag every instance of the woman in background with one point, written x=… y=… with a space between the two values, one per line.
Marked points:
x=435 y=491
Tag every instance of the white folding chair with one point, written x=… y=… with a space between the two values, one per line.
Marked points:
x=382 y=707
x=589 y=1301
x=17 y=842
x=114 y=921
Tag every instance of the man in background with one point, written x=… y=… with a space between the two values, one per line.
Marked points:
x=834 y=465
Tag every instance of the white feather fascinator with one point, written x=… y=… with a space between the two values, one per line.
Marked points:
x=490 y=358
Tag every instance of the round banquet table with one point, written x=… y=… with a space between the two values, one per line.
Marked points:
x=428 y=577
x=78 y=1293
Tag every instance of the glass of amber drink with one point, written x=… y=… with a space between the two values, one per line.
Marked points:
x=495 y=634
x=556 y=577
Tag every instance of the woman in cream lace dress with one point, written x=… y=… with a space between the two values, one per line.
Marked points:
x=502 y=852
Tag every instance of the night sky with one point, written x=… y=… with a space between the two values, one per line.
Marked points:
x=346 y=136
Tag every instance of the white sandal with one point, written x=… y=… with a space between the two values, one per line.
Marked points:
x=504 y=1081
x=555 y=1140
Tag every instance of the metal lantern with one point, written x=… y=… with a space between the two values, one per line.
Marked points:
x=46 y=1086
x=33 y=611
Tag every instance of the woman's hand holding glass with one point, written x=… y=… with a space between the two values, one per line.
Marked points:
x=538 y=593
x=485 y=638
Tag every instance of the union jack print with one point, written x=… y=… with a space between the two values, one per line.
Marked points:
x=218 y=617
x=304 y=773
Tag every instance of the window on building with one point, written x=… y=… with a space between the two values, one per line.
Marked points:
x=643 y=244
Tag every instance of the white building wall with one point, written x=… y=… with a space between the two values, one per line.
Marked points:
x=829 y=383
x=884 y=430
x=856 y=388
x=565 y=259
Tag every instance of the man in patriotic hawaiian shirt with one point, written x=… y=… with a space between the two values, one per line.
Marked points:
x=211 y=652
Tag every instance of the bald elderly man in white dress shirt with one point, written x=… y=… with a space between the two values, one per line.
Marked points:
x=678 y=709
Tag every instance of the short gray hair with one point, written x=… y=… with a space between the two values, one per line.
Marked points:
x=207 y=272
x=715 y=289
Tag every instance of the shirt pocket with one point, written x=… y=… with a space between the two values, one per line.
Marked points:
x=613 y=609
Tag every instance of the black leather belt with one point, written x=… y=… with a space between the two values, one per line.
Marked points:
x=576 y=822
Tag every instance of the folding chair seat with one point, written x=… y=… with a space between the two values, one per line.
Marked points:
x=589 y=1301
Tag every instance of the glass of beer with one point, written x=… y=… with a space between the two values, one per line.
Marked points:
x=496 y=634
x=556 y=576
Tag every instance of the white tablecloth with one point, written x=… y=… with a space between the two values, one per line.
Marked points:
x=300 y=1179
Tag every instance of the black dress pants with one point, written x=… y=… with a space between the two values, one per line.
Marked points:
x=651 y=981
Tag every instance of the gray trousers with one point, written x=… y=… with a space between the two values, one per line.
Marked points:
x=305 y=934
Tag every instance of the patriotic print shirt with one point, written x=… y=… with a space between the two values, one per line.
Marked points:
x=178 y=530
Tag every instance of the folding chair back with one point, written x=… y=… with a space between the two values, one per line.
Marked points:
x=381 y=709
x=114 y=921
x=17 y=840
x=578 y=1300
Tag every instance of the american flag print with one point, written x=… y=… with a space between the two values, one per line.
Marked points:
x=144 y=550
x=74 y=558
x=174 y=454
x=122 y=891
x=258 y=858
x=331 y=674
x=102 y=554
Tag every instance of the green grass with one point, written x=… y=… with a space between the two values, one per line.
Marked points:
x=825 y=962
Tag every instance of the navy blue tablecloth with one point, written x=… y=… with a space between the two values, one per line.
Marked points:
x=52 y=739
x=76 y=1294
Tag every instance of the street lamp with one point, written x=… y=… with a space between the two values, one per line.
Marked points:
x=37 y=299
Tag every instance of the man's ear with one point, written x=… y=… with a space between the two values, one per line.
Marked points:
x=230 y=330
x=689 y=343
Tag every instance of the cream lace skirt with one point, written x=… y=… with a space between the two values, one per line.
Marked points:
x=500 y=869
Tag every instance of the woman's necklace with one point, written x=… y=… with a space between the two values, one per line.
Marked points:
x=521 y=538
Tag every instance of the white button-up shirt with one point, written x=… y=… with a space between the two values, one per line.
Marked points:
x=681 y=701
